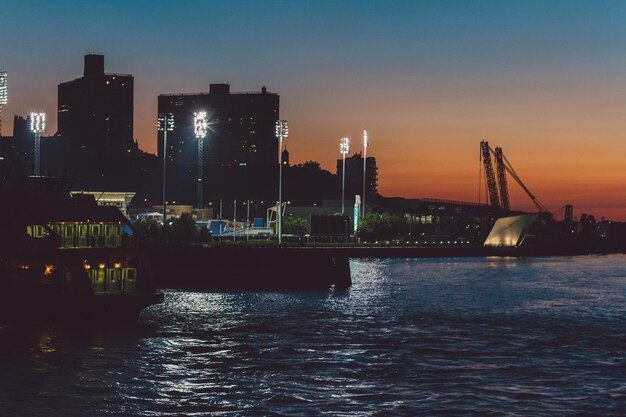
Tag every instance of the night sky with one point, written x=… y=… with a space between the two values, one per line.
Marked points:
x=546 y=81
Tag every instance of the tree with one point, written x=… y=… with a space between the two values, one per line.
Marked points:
x=148 y=228
x=295 y=226
x=183 y=228
x=381 y=226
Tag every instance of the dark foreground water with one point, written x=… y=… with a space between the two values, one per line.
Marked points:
x=482 y=337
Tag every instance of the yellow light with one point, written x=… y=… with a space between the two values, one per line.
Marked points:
x=87 y=266
x=117 y=265
x=48 y=270
x=101 y=265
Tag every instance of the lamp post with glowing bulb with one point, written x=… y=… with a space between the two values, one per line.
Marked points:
x=200 y=128
x=344 y=148
x=165 y=123
x=38 y=125
x=282 y=132
x=364 y=172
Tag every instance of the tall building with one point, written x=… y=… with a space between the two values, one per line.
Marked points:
x=354 y=176
x=96 y=110
x=240 y=155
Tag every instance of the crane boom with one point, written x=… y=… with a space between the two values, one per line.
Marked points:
x=516 y=177
x=504 y=189
x=489 y=175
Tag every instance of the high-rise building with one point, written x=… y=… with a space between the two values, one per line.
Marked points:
x=96 y=110
x=240 y=150
x=354 y=176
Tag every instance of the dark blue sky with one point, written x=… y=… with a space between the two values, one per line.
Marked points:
x=429 y=79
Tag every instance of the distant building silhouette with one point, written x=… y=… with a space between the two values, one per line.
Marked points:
x=96 y=110
x=354 y=176
x=94 y=146
x=240 y=150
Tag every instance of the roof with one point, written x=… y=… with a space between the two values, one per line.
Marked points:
x=47 y=200
x=510 y=231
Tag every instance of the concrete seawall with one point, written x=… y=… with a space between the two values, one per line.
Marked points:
x=250 y=268
x=274 y=268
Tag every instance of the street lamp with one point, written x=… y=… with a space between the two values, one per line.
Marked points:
x=165 y=123
x=282 y=132
x=38 y=125
x=3 y=95
x=344 y=148
x=364 y=172
x=200 y=128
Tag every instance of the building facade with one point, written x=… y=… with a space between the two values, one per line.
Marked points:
x=240 y=154
x=354 y=176
x=96 y=110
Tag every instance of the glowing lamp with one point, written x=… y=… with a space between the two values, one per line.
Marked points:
x=200 y=124
x=48 y=270
x=344 y=146
x=38 y=122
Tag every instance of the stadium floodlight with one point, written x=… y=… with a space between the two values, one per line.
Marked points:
x=365 y=140
x=3 y=95
x=165 y=123
x=344 y=148
x=200 y=129
x=37 y=126
x=200 y=124
x=282 y=132
x=3 y=88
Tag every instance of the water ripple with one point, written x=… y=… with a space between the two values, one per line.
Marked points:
x=442 y=337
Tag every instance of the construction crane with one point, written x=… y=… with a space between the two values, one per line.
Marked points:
x=503 y=165
x=492 y=189
x=501 y=170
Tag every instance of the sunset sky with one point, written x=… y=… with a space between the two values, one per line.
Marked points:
x=429 y=80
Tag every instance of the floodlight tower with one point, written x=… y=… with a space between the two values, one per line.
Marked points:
x=344 y=148
x=3 y=95
x=38 y=125
x=282 y=132
x=165 y=123
x=364 y=172
x=200 y=127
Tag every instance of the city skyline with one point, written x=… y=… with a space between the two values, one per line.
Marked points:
x=546 y=81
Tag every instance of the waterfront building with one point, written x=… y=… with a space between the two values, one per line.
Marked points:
x=240 y=156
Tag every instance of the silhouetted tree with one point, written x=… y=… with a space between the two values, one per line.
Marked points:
x=381 y=226
x=183 y=228
x=295 y=226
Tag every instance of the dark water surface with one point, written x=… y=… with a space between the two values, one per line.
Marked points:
x=541 y=337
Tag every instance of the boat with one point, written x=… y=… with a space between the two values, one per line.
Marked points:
x=66 y=259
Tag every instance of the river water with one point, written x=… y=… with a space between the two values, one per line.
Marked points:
x=474 y=336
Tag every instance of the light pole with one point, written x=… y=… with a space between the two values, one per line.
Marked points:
x=344 y=148
x=3 y=95
x=165 y=123
x=247 y=219
x=38 y=125
x=200 y=128
x=282 y=132
x=364 y=172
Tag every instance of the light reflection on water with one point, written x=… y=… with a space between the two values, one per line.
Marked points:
x=537 y=336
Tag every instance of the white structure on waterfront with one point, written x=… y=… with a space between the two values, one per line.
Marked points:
x=510 y=231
